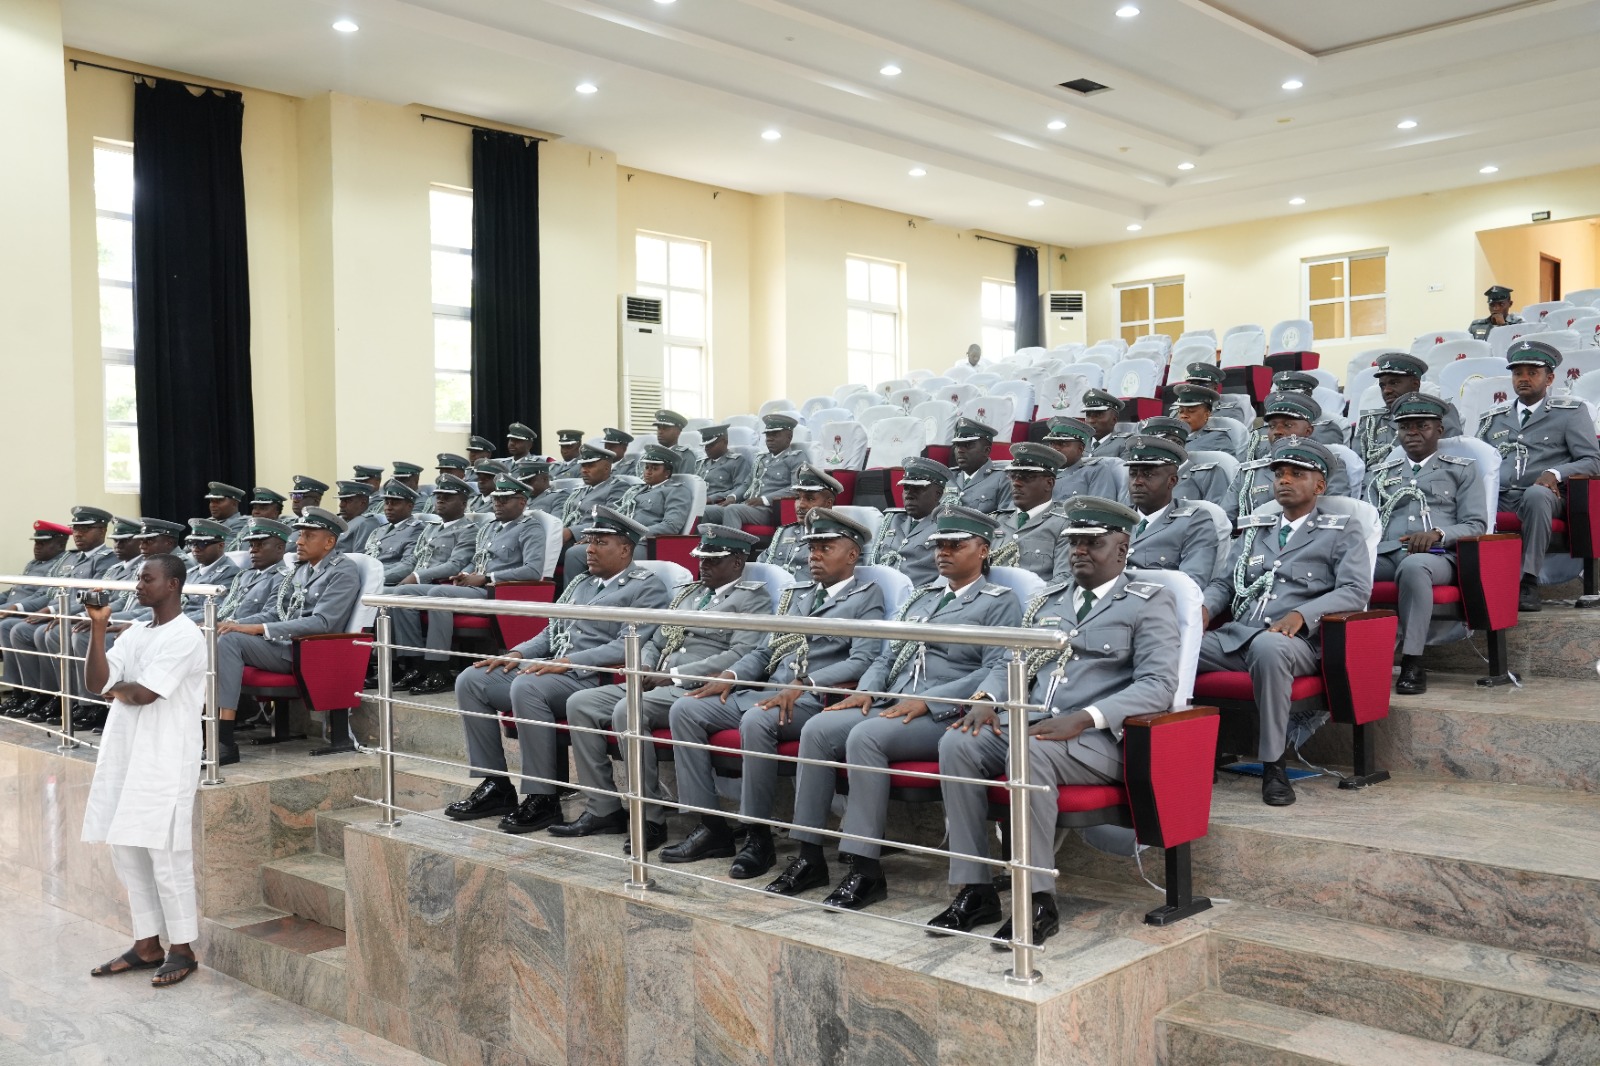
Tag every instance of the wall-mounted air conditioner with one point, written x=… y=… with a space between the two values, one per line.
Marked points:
x=641 y=347
x=1064 y=319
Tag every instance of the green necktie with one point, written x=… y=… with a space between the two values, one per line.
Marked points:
x=1526 y=414
x=944 y=601
x=819 y=599
x=1022 y=519
x=1144 y=523
x=705 y=598
x=1283 y=535
x=1416 y=468
x=1088 y=602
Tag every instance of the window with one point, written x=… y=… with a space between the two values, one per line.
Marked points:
x=1345 y=296
x=1151 y=307
x=450 y=226
x=874 y=294
x=113 y=222
x=675 y=271
x=999 y=310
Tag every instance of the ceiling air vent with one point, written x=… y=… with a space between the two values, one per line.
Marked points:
x=1084 y=86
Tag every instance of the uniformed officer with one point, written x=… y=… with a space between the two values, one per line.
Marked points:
x=1169 y=534
x=410 y=475
x=569 y=441
x=1284 y=573
x=657 y=503
x=980 y=481
x=902 y=541
x=930 y=677
x=769 y=480
x=304 y=491
x=1194 y=404
x=266 y=503
x=789 y=548
x=258 y=588
x=443 y=549
x=599 y=489
x=669 y=430
x=509 y=548
x=355 y=507
x=1235 y=405
x=1427 y=503
x=1120 y=663
x=208 y=547
x=535 y=473
x=725 y=472
x=50 y=559
x=1287 y=414
x=1089 y=475
x=1101 y=410
x=1399 y=375
x=372 y=477
x=1199 y=477
x=124 y=564
x=1030 y=529
x=394 y=543
x=766 y=717
x=1499 y=298
x=616 y=442
x=572 y=655
x=484 y=474
x=320 y=599
x=225 y=504
x=445 y=463
x=520 y=440
x=1543 y=440
x=478 y=449
x=674 y=650
x=1323 y=428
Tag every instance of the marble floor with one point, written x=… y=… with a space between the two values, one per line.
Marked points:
x=52 y=1013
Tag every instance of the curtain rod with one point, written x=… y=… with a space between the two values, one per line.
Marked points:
x=486 y=129
x=76 y=63
x=997 y=240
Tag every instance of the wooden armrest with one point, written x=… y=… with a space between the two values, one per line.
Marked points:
x=1155 y=718
x=1355 y=616
x=1482 y=537
x=523 y=582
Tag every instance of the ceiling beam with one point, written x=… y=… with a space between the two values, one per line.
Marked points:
x=1251 y=30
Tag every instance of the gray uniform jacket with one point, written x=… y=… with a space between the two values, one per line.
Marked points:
x=222 y=572
x=565 y=468
x=1236 y=405
x=1323 y=431
x=443 y=549
x=33 y=597
x=1373 y=435
x=255 y=592
x=789 y=551
x=1558 y=436
x=550 y=501
x=830 y=662
x=516 y=550
x=90 y=564
x=726 y=475
x=662 y=508
x=591 y=643
x=773 y=475
x=1113 y=443
x=707 y=652
x=1212 y=439
x=394 y=546
x=354 y=538
x=1203 y=480
x=1095 y=475
x=1324 y=568
x=938 y=672
x=1252 y=487
x=1037 y=547
x=480 y=504
x=332 y=588
x=628 y=465
x=1445 y=496
x=986 y=489
x=1183 y=537
x=1480 y=327
x=902 y=542
x=580 y=505
x=1122 y=663
x=235 y=526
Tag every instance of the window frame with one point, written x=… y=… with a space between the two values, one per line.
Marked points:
x=874 y=307
x=1152 y=322
x=113 y=356
x=450 y=312
x=1008 y=327
x=1344 y=260
x=671 y=397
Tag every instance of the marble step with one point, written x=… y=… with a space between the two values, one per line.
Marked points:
x=1505 y=865
x=1524 y=1007
x=415 y=790
x=1558 y=642
x=1218 y=1029
x=1546 y=733
x=293 y=958
x=309 y=885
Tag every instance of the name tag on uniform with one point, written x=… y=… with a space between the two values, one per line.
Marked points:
x=1256 y=560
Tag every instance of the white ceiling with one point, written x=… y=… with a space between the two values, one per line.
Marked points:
x=687 y=87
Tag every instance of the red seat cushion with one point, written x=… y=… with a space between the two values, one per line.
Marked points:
x=1075 y=798
x=1509 y=522
x=1387 y=592
x=1235 y=685
x=789 y=747
x=760 y=531
x=254 y=677
x=472 y=621
x=905 y=781
x=729 y=739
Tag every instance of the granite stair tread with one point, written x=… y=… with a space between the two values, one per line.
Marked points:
x=331 y=824
x=294 y=958
x=1227 y=1030
x=308 y=885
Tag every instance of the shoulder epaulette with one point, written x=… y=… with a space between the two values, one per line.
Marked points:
x=1246 y=521
x=1395 y=461
x=638 y=572
x=1053 y=588
x=1455 y=460
x=1497 y=409
x=1142 y=589
x=1332 y=521
x=1197 y=467
x=750 y=586
x=686 y=584
x=1255 y=464
x=1183 y=508
x=994 y=590
x=1564 y=403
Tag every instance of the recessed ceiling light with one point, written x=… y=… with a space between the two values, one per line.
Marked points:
x=1185 y=166
x=771 y=135
x=587 y=87
x=1406 y=124
x=1134 y=227
x=346 y=26
x=1297 y=201
x=918 y=172
x=1294 y=83
x=1127 y=11
x=1036 y=202
x=1491 y=169
x=665 y=1
x=889 y=71
x=1055 y=124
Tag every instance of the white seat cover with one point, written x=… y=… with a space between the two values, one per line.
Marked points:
x=871 y=416
x=361 y=615
x=671 y=574
x=996 y=412
x=1024 y=584
x=1454 y=378
x=1134 y=377
x=1187 y=599
x=1292 y=335
x=1245 y=348
x=776 y=578
x=894 y=440
x=941 y=418
x=843 y=445
x=894 y=585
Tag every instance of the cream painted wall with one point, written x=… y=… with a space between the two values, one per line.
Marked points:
x=1512 y=255
x=1252 y=272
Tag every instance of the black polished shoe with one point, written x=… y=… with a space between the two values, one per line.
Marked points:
x=655 y=835
x=438 y=679
x=537 y=812
x=406 y=673
x=755 y=858
x=856 y=892
x=1413 y=679
x=703 y=842
x=494 y=795
x=801 y=875
x=588 y=825
x=1046 y=922
x=974 y=905
x=227 y=754
x=10 y=701
x=1276 y=791
x=1528 y=599
x=44 y=708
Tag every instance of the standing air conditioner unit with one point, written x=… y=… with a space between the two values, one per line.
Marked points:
x=1064 y=319
x=641 y=345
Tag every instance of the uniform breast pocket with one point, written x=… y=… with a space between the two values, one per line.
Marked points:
x=1108 y=641
x=1310 y=572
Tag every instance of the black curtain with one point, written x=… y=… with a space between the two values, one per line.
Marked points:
x=191 y=297
x=505 y=284
x=1030 y=322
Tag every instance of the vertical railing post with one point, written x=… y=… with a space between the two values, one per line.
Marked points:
x=380 y=646
x=633 y=749
x=64 y=667
x=1022 y=971
x=213 y=730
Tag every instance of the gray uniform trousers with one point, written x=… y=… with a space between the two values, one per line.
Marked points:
x=531 y=699
x=1538 y=508
x=50 y=676
x=25 y=645
x=606 y=707
x=235 y=651
x=741 y=514
x=441 y=624
x=1273 y=661
x=14 y=628
x=1416 y=574
x=695 y=720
